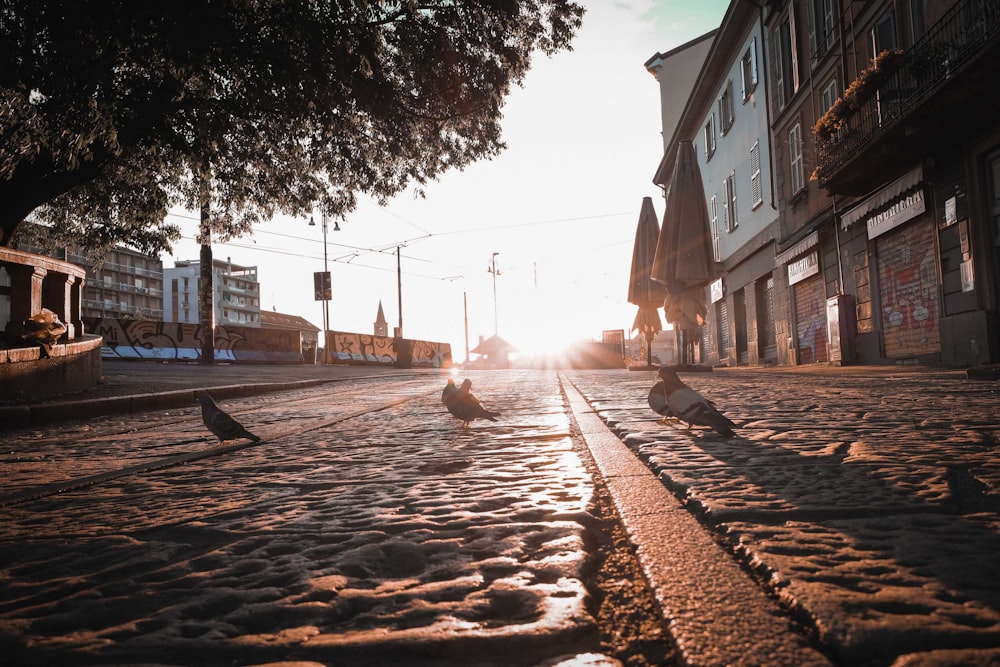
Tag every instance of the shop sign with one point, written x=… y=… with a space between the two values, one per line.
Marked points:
x=803 y=268
x=903 y=209
x=716 y=290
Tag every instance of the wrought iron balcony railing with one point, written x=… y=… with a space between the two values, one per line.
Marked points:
x=948 y=48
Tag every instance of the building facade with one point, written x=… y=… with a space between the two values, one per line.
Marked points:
x=236 y=293
x=891 y=241
x=726 y=119
x=126 y=285
x=880 y=160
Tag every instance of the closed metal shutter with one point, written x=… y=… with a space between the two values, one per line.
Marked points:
x=765 y=320
x=810 y=320
x=722 y=317
x=908 y=290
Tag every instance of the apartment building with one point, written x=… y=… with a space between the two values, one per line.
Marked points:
x=125 y=284
x=887 y=153
x=879 y=168
x=725 y=116
x=236 y=293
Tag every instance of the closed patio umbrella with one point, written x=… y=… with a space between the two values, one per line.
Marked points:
x=684 y=262
x=643 y=291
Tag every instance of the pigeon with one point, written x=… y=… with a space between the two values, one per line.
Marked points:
x=658 y=401
x=463 y=404
x=670 y=397
x=218 y=422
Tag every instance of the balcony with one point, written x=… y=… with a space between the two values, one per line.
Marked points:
x=943 y=86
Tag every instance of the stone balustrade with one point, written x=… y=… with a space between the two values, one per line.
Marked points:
x=43 y=282
x=74 y=363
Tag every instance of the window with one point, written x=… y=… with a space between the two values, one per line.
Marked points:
x=710 y=138
x=796 y=167
x=748 y=69
x=756 y=190
x=823 y=26
x=884 y=33
x=726 y=108
x=713 y=214
x=729 y=188
x=785 y=64
x=828 y=96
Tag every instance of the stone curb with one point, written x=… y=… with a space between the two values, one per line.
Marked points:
x=24 y=416
x=715 y=613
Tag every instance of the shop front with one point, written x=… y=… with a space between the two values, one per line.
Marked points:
x=904 y=280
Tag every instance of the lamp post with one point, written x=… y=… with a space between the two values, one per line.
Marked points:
x=495 y=271
x=323 y=287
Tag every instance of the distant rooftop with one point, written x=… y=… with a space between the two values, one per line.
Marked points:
x=272 y=320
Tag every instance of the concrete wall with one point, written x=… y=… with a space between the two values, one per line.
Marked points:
x=147 y=339
x=175 y=341
x=355 y=348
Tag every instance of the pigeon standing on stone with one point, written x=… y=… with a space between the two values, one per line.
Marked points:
x=657 y=400
x=670 y=397
x=218 y=422
x=463 y=404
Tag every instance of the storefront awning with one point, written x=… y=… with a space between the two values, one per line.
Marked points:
x=882 y=197
x=797 y=249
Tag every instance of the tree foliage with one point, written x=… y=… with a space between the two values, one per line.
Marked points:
x=112 y=111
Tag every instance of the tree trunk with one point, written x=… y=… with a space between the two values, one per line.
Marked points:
x=206 y=290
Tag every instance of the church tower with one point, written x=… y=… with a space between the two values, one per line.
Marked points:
x=381 y=326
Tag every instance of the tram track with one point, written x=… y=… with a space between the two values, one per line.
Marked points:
x=169 y=415
x=302 y=426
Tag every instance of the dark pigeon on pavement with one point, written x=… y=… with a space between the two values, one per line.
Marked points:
x=463 y=404
x=657 y=400
x=670 y=397
x=218 y=422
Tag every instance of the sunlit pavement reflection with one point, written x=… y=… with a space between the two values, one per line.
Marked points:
x=370 y=526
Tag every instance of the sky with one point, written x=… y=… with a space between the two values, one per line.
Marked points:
x=559 y=208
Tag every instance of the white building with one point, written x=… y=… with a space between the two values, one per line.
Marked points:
x=726 y=118
x=235 y=289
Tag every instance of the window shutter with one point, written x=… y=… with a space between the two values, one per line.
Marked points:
x=755 y=184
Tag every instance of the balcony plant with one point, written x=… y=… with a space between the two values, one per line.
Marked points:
x=860 y=91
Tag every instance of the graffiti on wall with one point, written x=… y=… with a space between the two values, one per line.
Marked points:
x=810 y=320
x=369 y=349
x=909 y=290
x=174 y=341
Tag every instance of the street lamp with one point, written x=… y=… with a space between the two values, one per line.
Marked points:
x=323 y=287
x=496 y=272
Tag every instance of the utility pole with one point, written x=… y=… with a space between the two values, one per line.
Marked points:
x=495 y=271
x=465 y=305
x=399 y=290
x=324 y=287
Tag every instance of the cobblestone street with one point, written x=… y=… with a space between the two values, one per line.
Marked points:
x=866 y=501
x=370 y=527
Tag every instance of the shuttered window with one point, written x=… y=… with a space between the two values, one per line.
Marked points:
x=756 y=189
